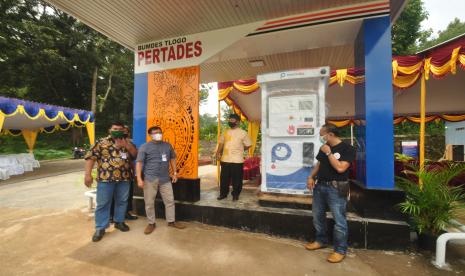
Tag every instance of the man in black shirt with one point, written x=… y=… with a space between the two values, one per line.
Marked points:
x=331 y=189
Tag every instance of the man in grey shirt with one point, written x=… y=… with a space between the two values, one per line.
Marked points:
x=152 y=169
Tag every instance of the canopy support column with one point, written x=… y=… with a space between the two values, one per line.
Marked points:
x=218 y=143
x=422 y=120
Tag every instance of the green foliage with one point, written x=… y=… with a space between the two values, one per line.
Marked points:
x=403 y=157
x=406 y=31
x=203 y=92
x=433 y=204
x=455 y=28
x=208 y=127
x=431 y=128
x=48 y=146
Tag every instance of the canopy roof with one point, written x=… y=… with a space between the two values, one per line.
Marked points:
x=17 y=115
x=294 y=34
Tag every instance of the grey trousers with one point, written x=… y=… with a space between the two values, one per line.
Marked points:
x=150 y=192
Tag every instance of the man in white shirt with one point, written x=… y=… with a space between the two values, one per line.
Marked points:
x=233 y=143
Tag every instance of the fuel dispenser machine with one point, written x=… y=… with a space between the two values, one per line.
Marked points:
x=293 y=111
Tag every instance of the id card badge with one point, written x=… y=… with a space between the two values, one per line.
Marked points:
x=124 y=155
x=164 y=157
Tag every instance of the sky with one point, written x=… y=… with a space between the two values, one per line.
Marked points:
x=441 y=12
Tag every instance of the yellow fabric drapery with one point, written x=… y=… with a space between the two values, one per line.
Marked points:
x=343 y=76
x=30 y=136
x=2 y=119
x=341 y=123
x=453 y=118
x=246 y=88
x=253 y=129
x=398 y=120
x=90 y=127
x=412 y=73
x=405 y=81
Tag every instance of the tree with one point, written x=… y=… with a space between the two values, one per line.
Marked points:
x=49 y=56
x=406 y=31
x=455 y=28
x=203 y=92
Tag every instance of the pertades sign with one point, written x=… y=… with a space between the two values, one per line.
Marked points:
x=186 y=50
x=170 y=50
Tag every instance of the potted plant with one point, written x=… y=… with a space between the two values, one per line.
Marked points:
x=430 y=202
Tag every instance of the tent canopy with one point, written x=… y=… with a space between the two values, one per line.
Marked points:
x=29 y=118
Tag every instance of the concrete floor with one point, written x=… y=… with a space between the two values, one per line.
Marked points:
x=46 y=230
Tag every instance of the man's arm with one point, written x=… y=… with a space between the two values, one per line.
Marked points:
x=88 y=172
x=131 y=148
x=219 y=150
x=140 y=182
x=339 y=166
x=311 y=177
x=174 y=177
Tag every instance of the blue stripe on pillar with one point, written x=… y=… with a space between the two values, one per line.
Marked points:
x=374 y=104
x=140 y=109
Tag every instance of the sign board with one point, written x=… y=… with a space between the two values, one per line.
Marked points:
x=410 y=148
x=188 y=50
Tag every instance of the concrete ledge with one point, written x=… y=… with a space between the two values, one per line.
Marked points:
x=289 y=223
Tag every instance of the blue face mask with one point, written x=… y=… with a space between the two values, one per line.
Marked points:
x=323 y=139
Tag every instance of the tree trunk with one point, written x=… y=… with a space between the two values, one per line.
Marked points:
x=104 y=99
x=93 y=106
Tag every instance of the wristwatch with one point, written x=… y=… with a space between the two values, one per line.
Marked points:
x=329 y=153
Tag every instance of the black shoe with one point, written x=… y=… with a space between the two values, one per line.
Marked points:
x=123 y=227
x=98 y=235
x=221 y=197
x=235 y=198
x=130 y=217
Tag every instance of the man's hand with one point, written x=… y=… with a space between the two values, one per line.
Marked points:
x=140 y=183
x=310 y=183
x=174 y=178
x=325 y=149
x=121 y=143
x=88 y=180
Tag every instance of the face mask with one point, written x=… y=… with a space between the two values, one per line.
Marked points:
x=323 y=139
x=232 y=125
x=157 y=137
x=117 y=134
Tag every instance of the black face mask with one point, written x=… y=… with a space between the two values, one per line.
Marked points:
x=232 y=125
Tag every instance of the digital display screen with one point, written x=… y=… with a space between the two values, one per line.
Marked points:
x=308 y=119
x=305 y=131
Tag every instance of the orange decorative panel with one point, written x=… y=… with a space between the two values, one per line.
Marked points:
x=173 y=105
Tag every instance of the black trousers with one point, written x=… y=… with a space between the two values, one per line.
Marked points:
x=231 y=172
x=130 y=196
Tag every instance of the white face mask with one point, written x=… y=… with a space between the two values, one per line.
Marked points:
x=323 y=139
x=157 y=136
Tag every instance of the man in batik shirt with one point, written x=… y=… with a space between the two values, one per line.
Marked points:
x=112 y=154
